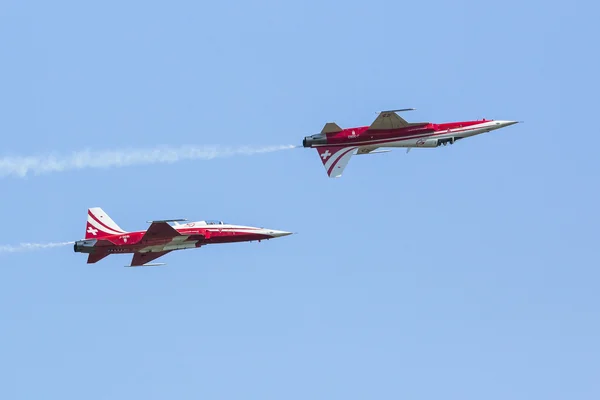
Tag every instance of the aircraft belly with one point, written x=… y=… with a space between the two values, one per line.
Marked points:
x=401 y=143
x=238 y=238
x=471 y=133
x=409 y=142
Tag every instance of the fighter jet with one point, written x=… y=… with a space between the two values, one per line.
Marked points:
x=104 y=237
x=336 y=145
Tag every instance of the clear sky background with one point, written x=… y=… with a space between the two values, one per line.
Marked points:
x=463 y=272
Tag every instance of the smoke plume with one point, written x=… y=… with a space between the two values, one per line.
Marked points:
x=21 y=166
x=26 y=247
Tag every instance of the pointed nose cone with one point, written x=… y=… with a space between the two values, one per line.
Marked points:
x=277 y=234
x=504 y=124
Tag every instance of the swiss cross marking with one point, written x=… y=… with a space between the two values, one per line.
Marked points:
x=92 y=231
x=325 y=155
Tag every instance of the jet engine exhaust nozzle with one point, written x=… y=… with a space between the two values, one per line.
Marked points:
x=314 y=140
x=84 y=246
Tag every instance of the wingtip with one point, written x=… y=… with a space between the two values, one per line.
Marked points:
x=397 y=110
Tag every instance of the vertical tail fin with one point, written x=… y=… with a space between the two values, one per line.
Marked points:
x=99 y=224
x=335 y=158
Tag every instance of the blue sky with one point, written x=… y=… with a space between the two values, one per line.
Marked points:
x=465 y=272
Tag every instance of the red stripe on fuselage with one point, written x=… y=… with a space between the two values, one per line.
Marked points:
x=398 y=138
x=362 y=135
x=133 y=244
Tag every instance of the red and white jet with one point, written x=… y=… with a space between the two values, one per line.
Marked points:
x=104 y=237
x=336 y=145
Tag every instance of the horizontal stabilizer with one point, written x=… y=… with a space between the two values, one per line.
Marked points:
x=331 y=127
x=95 y=257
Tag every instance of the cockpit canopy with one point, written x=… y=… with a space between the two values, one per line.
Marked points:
x=213 y=222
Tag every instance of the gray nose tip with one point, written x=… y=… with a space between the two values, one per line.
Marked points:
x=277 y=234
x=504 y=124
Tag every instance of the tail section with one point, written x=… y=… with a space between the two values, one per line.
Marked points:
x=335 y=158
x=99 y=224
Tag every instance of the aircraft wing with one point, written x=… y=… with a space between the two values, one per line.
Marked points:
x=335 y=158
x=387 y=120
x=140 y=259
x=160 y=230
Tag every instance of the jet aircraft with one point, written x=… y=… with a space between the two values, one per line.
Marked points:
x=104 y=237
x=336 y=145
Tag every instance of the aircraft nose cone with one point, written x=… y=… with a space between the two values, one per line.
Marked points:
x=277 y=234
x=506 y=123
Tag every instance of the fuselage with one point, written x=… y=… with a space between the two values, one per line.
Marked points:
x=192 y=235
x=413 y=135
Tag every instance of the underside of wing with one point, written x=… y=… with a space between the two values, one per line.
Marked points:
x=370 y=150
x=143 y=258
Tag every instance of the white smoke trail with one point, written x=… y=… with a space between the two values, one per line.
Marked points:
x=21 y=166
x=23 y=247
